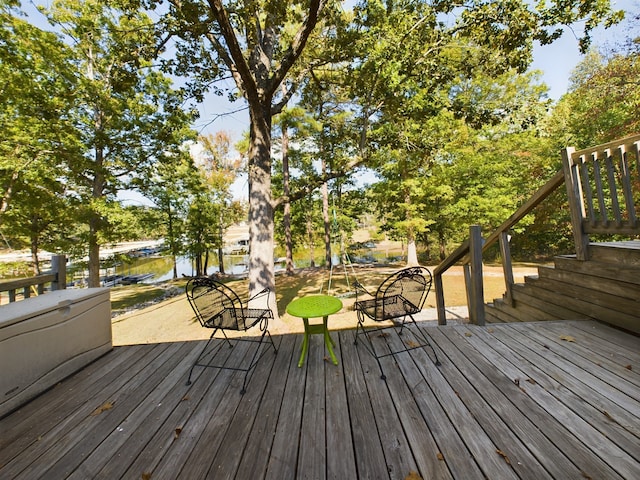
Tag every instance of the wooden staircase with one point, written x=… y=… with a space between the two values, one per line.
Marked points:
x=602 y=280
x=606 y=287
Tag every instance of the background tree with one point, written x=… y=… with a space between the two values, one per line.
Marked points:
x=169 y=187
x=258 y=42
x=599 y=107
x=128 y=114
x=38 y=90
x=603 y=98
x=219 y=171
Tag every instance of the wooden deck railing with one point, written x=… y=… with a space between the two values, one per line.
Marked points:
x=57 y=277
x=603 y=186
x=597 y=206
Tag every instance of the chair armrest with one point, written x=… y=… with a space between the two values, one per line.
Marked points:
x=259 y=294
x=360 y=289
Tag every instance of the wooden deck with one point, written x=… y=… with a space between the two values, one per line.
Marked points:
x=531 y=401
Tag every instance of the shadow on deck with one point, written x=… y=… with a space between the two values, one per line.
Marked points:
x=531 y=401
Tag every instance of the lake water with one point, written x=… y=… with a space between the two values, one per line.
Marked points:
x=161 y=268
x=157 y=268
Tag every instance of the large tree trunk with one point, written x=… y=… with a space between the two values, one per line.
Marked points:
x=442 y=242
x=261 y=270
x=220 y=261
x=95 y=220
x=34 y=254
x=172 y=242
x=311 y=242
x=412 y=254
x=258 y=77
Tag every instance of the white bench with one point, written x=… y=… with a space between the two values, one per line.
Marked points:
x=47 y=338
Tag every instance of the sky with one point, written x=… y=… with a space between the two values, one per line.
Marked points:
x=557 y=61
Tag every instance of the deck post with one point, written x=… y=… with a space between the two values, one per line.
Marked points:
x=507 y=268
x=576 y=205
x=442 y=313
x=475 y=286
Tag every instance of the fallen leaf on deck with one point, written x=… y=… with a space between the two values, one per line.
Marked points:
x=608 y=415
x=468 y=334
x=516 y=381
x=177 y=432
x=325 y=358
x=412 y=344
x=440 y=457
x=585 y=475
x=628 y=367
x=490 y=330
x=567 y=338
x=532 y=381
x=383 y=334
x=504 y=455
x=413 y=476
x=146 y=476
x=102 y=408
x=185 y=398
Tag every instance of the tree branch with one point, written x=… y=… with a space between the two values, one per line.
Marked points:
x=297 y=45
x=314 y=182
x=238 y=64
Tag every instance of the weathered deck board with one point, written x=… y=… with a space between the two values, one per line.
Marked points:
x=548 y=387
x=517 y=436
x=509 y=401
x=342 y=465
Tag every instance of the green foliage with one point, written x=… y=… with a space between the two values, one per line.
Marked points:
x=205 y=199
x=87 y=116
x=36 y=203
x=604 y=99
x=427 y=94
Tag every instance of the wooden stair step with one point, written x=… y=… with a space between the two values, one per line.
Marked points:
x=605 y=294
x=530 y=295
x=495 y=315
x=588 y=303
x=519 y=312
x=606 y=271
x=625 y=253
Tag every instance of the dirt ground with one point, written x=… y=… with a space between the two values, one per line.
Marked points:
x=173 y=320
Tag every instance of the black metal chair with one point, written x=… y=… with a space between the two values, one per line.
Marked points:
x=399 y=296
x=218 y=307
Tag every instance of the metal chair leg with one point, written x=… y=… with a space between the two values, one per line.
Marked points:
x=427 y=342
x=370 y=348
x=200 y=356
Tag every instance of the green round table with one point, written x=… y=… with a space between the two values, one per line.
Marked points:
x=315 y=306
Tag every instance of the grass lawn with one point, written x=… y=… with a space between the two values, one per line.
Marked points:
x=313 y=281
x=160 y=313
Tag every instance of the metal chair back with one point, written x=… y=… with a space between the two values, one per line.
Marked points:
x=215 y=304
x=403 y=293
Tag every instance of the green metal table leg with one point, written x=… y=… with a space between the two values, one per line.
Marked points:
x=328 y=341
x=305 y=342
x=316 y=329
